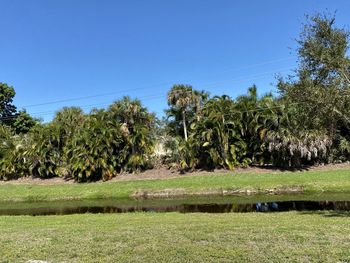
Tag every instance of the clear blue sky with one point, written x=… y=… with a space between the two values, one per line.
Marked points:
x=63 y=49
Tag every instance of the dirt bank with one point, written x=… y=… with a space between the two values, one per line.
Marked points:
x=177 y=193
x=164 y=173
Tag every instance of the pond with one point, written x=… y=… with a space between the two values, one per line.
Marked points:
x=264 y=204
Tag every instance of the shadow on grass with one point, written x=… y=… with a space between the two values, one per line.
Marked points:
x=272 y=168
x=302 y=168
x=335 y=213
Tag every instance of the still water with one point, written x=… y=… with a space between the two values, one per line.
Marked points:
x=259 y=204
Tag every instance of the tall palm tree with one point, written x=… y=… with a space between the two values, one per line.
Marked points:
x=182 y=97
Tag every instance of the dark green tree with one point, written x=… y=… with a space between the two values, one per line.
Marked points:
x=319 y=93
x=320 y=88
x=23 y=122
x=7 y=109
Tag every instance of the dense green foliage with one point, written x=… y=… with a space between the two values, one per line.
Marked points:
x=308 y=123
x=7 y=109
x=85 y=147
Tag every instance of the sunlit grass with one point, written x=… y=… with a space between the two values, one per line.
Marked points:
x=314 y=181
x=174 y=237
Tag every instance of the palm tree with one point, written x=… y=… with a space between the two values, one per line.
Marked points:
x=138 y=125
x=258 y=115
x=182 y=98
x=98 y=150
x=67 y=121
x=45 y=152
x=13 y=161
x=200 y=98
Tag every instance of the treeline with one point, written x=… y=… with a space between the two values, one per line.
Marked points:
x=308 y=123
x=93 y=146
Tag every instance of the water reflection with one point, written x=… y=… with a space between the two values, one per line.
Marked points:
x=185 y=208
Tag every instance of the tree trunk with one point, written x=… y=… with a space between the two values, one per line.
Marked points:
x=198 y=106
x=184 y=124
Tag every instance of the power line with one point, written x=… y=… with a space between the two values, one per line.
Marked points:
x=257 y=109
x=44 y=113
x=141 y=88
x=144 y=98
x=258 y=64
x=243 y=78
x=87 y=97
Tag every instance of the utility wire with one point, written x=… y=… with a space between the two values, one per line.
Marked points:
x=43 y=113
x=141 y=88
x=244 y=78
x=87 y=97
x=241 y=78
x=143 y=98
x=257 y=109
x=100 y=104
x=254 y=65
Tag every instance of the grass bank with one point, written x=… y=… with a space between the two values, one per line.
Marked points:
x=309 y=182
x=173 y=237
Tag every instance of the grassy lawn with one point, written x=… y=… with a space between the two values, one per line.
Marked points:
x=312 y=182
x=174 y=237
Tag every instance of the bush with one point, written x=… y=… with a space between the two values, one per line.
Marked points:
x=13 y=150
x=98 y=151
x=290 y=150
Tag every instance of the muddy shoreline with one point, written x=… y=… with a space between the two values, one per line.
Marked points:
x=146 y=194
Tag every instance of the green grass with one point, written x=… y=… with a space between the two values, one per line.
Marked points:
x=173 y=237
x=324 y=181
x=312 y=182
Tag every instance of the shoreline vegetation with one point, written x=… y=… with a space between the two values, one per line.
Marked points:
x=216 y=184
